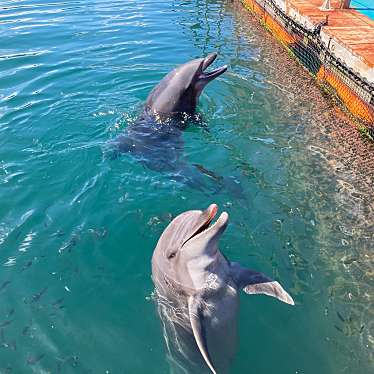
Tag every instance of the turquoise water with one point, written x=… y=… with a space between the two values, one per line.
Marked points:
x=77 y=230
x=364 y=6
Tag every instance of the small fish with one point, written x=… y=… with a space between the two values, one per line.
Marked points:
x=6 y=323
x=73 y=361
x=38 y=295
x=4 y=285
x=70 y=244
x=27 y=265
x=34 y=359
x=347 y=260
x=209 y=173
x=340 y=317
x=57 y=234
x=25 y=330
x=339 y=329
x=57 y=302
x=99 y=233
x=10 y=313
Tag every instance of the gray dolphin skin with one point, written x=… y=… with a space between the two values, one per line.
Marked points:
x=197 y=292
x=180 y=90
x=155 y=138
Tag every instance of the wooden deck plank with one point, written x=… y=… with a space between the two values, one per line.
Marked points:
x=348 y=27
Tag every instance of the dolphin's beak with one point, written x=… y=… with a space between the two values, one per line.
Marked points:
x=208 y=60
x=208 y=231
x=208 y=76
x=218 y=227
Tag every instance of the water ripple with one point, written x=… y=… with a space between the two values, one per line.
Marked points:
x=77 y=230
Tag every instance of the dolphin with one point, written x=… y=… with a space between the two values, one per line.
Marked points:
x=155 y=138
x=197 y=291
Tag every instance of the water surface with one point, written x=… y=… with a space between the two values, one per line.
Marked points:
x=364 y=6
x=77 y=230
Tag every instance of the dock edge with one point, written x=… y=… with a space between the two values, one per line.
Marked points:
x=355 y=92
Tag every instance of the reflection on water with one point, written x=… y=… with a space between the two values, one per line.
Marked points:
x=77 y=230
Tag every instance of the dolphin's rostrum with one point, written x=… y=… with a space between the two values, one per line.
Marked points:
x=197 y=290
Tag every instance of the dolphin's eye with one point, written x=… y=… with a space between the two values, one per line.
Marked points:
x=172 y=255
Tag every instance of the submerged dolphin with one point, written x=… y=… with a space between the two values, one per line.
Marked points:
x=197 y=290
x=155 y=138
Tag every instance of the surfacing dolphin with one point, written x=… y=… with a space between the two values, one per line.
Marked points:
x=197 y=291
x=155 y=138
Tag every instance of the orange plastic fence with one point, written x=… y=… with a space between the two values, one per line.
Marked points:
x=351 y=100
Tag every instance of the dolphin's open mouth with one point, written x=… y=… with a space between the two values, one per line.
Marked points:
x=210 y=213
x=211 y=74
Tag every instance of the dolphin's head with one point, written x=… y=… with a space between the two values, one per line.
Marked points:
x=179 y=91
x=188 y=248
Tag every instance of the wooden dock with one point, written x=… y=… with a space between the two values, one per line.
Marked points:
x=336 y=46
x=347 y=30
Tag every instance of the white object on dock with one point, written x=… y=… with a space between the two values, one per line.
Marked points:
x=326 y=6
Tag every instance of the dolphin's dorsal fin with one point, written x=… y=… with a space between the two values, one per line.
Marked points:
x=253 y=282
x=198 y=330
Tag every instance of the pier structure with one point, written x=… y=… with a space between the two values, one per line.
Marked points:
x=333 y=42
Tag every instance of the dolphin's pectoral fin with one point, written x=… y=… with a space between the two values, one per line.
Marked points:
x=253 y=282
x=271 y=289
x=115 y=147
x=198 y=330
x=124 y=144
